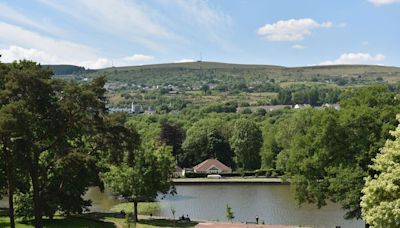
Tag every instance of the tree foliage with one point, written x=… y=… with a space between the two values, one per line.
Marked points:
x=172 y=134
x=48 y=136
x=206 y=139
x=142 y=180
x=381 y=200
x=246 y=142
x=326 y=153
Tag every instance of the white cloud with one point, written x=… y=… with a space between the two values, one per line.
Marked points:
x=291 y=30
x=25 y=44
x=31 y=42
x=97 y=63
x=298 y=46
x=17 y=53
x=14 y=53
x=356 y=58
x=138 y=58
x=185 y=61
x=383 y=2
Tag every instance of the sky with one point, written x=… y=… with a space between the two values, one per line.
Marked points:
x=103 y=33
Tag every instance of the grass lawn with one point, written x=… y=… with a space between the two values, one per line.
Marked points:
x=144 y=208
x=60 y=222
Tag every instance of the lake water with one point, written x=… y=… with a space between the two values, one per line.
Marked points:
x=273 y=204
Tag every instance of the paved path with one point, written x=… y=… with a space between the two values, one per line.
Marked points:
x=230 y=225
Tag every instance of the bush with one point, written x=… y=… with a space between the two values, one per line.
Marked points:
x=246 y=111
x=23 y=205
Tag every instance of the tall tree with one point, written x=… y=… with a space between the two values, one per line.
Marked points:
x=142 y=180
x=381 y=199
x=57 y=118
x=246 y=142
x=12 y=121
x=206 y=139
x=172 y=134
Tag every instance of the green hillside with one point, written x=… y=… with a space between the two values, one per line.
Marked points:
x=180 y=84
x=213 y=72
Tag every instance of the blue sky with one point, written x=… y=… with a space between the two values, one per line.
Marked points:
x=101 y=33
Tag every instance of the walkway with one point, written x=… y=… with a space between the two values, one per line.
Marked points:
x=235 y=225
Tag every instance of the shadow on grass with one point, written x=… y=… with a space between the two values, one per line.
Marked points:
x=72 y=222
x=166 y=223
x=101 y=216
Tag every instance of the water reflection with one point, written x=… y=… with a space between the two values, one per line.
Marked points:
x=101 y=200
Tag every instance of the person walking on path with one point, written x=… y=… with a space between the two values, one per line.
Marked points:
x=257 y=219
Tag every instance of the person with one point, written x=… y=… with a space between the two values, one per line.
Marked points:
x=257 y=219
x=187 y=218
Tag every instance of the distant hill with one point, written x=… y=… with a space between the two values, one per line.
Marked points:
x=67 y=69
x=221 y=73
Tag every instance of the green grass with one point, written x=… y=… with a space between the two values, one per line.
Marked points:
x=144 y=208
x=60 y=222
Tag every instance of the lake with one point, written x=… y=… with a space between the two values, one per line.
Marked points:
x=273 y=204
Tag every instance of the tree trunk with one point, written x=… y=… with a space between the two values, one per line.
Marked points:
x=10 y=186
x=135 y=211
x=11 y=209
x=36 y=194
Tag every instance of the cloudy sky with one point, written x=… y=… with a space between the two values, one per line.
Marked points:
x=102 y=33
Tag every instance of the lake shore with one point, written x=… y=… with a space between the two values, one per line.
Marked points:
x=230 y=180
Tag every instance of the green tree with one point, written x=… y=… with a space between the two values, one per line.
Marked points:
x=172 y=134
x=27 y=83
x=206 y=139
x=57 y=117
x=149 y=175
x=12 y=123
x=246 y=142
x=206 y=89
x=326 y=153
x=381 y=199
x=270 y=148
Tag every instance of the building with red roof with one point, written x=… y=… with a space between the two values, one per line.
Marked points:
x=211 y=166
